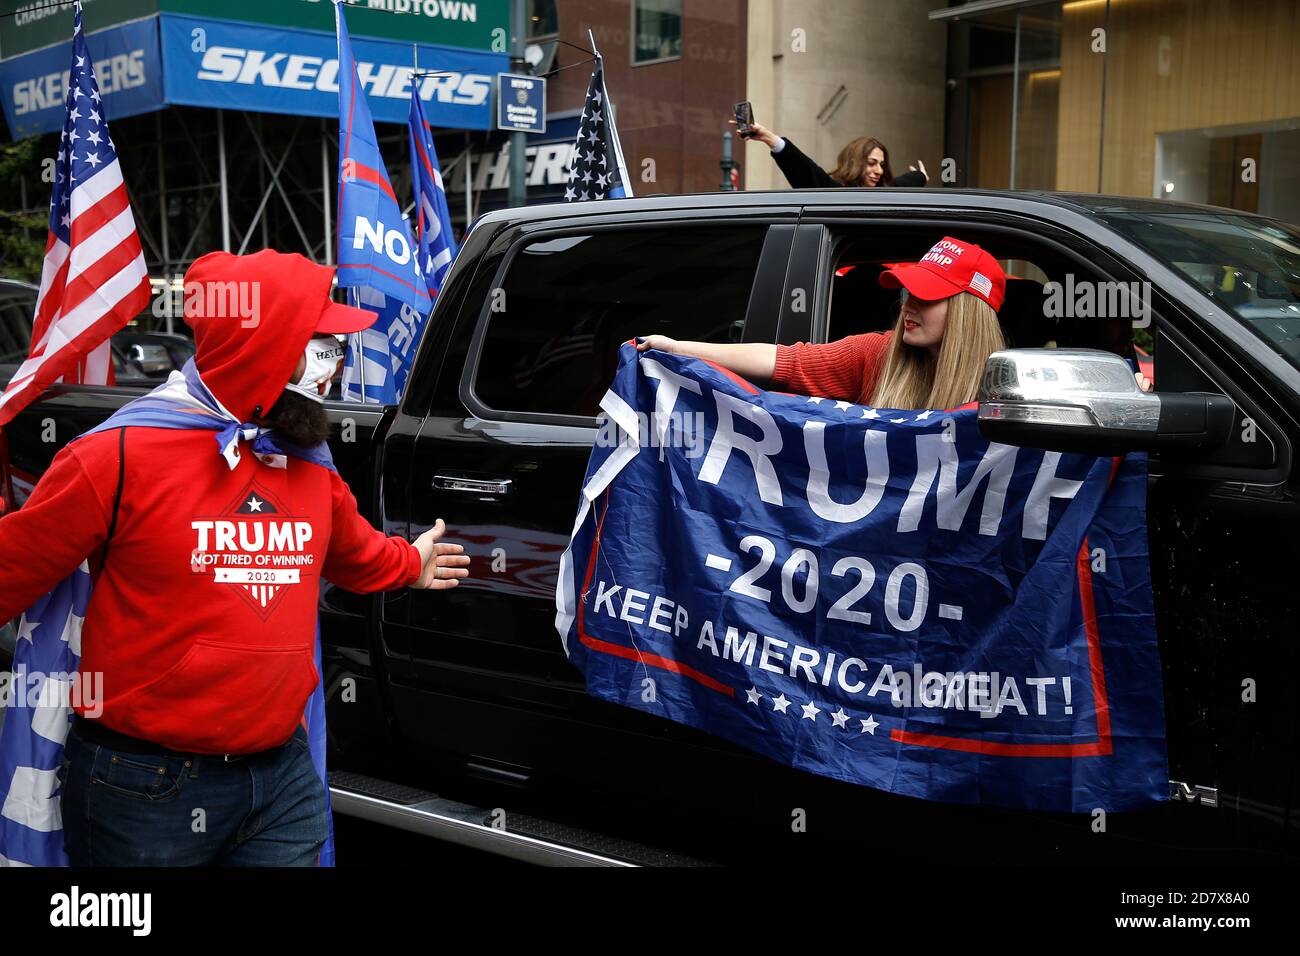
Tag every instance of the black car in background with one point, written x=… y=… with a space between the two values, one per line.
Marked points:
x=139 y=357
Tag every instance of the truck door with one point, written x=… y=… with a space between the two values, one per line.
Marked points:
x=500 y=456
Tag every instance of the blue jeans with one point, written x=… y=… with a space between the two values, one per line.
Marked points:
x=131 y=809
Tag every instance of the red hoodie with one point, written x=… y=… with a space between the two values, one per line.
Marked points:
x=202 y=621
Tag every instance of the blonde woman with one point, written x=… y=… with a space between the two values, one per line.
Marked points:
x=933 y=358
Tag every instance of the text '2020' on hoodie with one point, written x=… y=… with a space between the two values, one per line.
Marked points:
x=202 y=622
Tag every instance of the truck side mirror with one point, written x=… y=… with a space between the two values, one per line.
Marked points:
x=1087 y=400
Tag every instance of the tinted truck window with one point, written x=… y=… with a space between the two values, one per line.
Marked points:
x=568 y=304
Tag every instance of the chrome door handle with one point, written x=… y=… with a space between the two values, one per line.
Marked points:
x=494 y=486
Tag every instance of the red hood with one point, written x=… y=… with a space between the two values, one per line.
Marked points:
x=252 y=317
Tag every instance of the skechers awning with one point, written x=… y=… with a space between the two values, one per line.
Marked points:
x=153 y=53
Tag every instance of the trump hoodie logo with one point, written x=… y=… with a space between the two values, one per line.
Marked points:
x=254 y=547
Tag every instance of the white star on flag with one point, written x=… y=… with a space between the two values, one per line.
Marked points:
x=94 y=278
x=596 y=147
x=810 y=711
x=753 y=695
x=780 y=703
x=869 y=726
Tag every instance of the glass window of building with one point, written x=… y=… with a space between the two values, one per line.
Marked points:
x=1189 y=100
x=543 y=18
x=657 y=29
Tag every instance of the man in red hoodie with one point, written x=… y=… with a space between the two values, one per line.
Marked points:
x=197 y=754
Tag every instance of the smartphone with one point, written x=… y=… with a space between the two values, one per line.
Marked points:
x=744 y=119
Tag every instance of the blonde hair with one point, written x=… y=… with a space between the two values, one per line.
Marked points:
x=911 y=379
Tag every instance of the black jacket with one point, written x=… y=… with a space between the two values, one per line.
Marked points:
x=802 y=173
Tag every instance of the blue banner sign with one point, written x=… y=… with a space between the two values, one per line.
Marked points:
x=127 y=66
x=273 y=70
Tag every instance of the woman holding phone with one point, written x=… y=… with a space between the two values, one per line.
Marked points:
x=863 y=162
x=933 y=358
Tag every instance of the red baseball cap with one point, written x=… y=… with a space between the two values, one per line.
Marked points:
x=951 y=266
x=339 y=319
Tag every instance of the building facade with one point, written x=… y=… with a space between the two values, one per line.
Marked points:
x=1191 y=100
x=824 y=73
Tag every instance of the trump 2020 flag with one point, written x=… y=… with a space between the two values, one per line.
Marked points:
x=874 y=595
x=597 y=169
x=377 y=261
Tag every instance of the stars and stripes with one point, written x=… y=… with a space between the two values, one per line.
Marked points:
x=37 y=718
x=597 y=169
x=94 y=277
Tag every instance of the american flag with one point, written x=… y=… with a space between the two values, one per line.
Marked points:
x=597 y=170
x=94 y=278
x=46 y=662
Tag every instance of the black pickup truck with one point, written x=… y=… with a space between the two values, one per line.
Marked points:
x=456 y=713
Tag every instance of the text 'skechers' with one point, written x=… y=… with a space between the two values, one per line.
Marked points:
x=874 y=595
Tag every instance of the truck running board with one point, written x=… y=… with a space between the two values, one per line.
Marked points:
x=514 y=835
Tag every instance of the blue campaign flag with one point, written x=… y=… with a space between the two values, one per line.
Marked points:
x=377 y=260
x=381 y=348
x=47 y=679
x=874 y=595
x=433 y=220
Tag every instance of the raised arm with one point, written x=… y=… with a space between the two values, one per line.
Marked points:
x=755 y=361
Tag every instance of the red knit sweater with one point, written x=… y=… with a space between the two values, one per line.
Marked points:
x=845 y=370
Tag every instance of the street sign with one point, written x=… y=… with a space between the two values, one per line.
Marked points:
x=521 y=103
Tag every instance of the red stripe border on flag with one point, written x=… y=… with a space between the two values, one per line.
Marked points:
x=632 y=653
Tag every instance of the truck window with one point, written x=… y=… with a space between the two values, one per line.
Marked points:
x=567 y=304
x=858 y=303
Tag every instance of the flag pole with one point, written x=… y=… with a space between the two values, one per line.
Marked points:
x=349 y=295
x=611 y=126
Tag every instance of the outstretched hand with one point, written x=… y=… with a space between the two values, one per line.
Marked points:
x=441 y=565
x=758 y=132
x=661 y=342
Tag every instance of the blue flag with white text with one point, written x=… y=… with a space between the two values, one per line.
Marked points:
x=874 y=595
x=377 y=261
